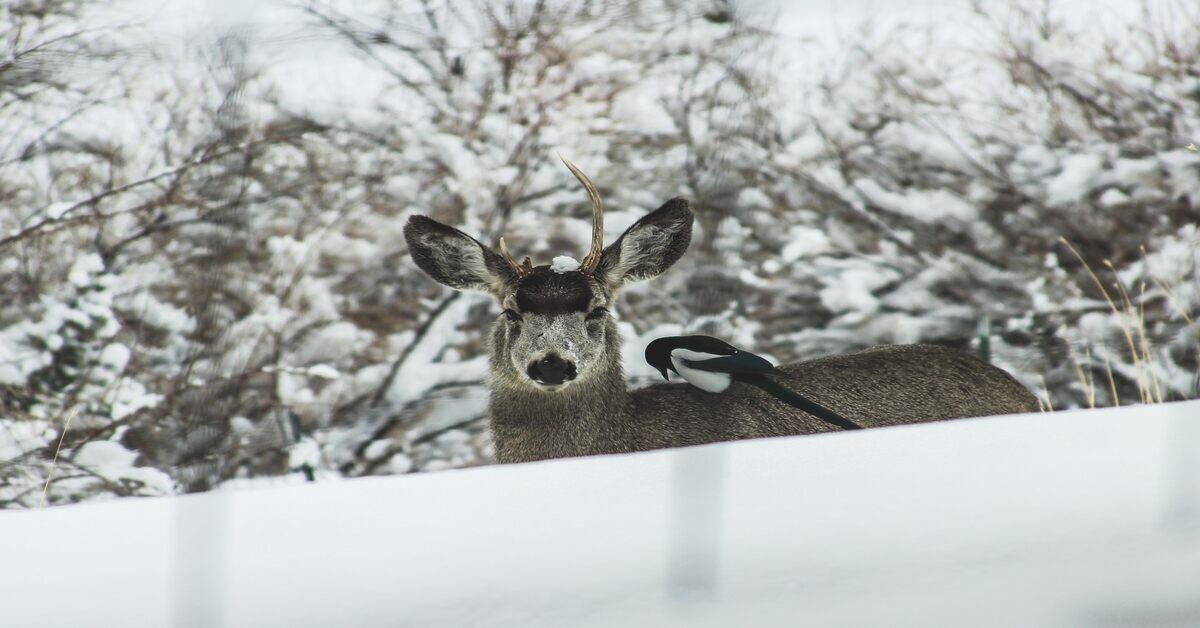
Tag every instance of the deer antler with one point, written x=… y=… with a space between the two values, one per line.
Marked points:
x=593 y=257
x=521 y=270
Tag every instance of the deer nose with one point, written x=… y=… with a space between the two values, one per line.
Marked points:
x=551 y=370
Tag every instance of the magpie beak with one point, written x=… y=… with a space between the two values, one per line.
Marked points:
x=712 y=365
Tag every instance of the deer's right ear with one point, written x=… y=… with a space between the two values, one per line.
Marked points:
x=648 y=248
x=453 y=258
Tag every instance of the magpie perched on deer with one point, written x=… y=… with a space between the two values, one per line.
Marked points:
x=712 y=365
x=557 y=387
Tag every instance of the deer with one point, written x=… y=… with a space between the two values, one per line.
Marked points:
x=557 y=388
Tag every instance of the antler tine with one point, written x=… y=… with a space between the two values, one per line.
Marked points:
x=519 y=269
x=593 y=256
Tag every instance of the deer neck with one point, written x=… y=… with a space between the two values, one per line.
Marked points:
x=586 y=417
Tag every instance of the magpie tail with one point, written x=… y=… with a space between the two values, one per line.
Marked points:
x=797 y=400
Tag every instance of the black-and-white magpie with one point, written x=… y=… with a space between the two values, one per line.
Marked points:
x=711 y=364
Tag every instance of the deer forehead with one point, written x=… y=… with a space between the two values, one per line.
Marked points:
x=554 y=293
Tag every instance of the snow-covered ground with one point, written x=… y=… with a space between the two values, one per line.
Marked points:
x=1085 y=518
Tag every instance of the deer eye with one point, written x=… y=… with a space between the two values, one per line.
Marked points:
x=512 y=316
x=597 y=314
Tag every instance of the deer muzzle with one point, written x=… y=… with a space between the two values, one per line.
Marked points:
x=551 y=370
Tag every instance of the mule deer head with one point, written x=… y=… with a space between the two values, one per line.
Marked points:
x=554 y=331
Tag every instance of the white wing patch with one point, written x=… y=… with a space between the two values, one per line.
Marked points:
x=704 y=380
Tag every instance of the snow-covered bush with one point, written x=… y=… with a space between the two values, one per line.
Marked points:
x=936 y=184
x=205 y=279
x=121 y=188
x=260 y=311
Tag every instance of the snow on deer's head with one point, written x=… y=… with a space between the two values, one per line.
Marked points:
x=554 y=329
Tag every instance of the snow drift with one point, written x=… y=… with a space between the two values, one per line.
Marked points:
x=1063 y=519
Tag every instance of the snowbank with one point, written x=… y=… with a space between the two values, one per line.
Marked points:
x=1071 y=518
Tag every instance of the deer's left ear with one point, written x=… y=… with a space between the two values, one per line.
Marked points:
x=453 y=258
x=648 y=248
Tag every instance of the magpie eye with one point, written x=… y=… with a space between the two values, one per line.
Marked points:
x=597 y=314
x=512 y=316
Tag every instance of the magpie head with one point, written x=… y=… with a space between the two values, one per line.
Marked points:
x=658 y=352
x=658 y=355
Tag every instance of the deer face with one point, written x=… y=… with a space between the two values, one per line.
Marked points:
x=554 y=330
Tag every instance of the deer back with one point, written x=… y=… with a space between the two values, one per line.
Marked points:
x=880 y=386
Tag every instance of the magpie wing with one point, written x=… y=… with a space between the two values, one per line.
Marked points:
x=740 y=363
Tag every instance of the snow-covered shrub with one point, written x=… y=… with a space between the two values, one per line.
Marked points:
x=206 y=281
x=123 y=219
x=251 y=306
x=63 y=360
x=942 y=180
